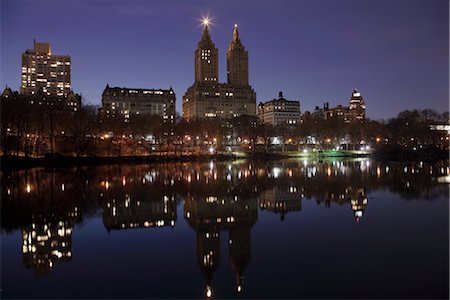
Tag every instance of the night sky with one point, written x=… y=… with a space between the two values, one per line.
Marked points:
x=395 y=52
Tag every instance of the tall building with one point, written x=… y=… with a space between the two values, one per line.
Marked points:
x=237 y=61
x=208 y=98
x=43 y=70
x=117 y=101
x=357 y=107
x=279 y=111
x=206 y=59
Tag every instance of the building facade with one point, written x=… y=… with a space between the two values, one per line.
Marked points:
x=279 y=111
x=125 y=102
x=43 y=70
x=208 y=98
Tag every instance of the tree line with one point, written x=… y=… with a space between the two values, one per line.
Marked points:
x=31 y=129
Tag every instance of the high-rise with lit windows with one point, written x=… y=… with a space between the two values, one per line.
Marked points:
x=43 y=70
x=206 y=59
x=207 y=98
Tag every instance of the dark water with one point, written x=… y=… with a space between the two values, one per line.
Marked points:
x=284 y=229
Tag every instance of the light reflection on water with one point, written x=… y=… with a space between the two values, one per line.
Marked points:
x=46 y=208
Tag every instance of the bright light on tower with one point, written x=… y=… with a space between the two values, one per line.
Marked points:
x=206 y=21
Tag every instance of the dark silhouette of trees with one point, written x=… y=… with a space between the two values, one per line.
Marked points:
x=80 y=128
x=412 y=128
x=38 y=125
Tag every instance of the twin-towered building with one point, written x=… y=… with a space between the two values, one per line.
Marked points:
x=209 y=98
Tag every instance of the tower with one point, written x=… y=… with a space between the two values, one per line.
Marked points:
x=357 y=107
x=237 y=61
x=206 y=58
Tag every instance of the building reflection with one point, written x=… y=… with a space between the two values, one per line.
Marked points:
x=45 y=206
x=358 y=202
x=281 y=200
x=208 y=216
x=128 y=212
x=44 y=244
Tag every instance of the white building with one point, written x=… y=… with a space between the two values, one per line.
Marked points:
x=279 y=111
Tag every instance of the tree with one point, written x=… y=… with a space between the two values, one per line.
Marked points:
x=80 y=127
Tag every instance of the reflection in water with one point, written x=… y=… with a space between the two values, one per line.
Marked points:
x=46 y=205
x=359 y=203
x=43 y=244
x=281 y=200
x=208 y=216
x=130 y=212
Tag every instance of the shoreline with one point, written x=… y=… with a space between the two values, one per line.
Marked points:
x=11 y=163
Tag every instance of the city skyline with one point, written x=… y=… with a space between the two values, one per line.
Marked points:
x=395 y=53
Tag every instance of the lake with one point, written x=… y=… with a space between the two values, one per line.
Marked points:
x=280 y=229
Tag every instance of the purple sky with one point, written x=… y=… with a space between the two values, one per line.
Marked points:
x=395 y=52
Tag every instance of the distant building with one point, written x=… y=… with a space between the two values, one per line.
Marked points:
x=279 y=111
x=69 y=103
x=117 y=101
x=355 y=112
x=441 y=127
x=43 y=70
x=208 y=98
x=338 y=112
x=357 y=107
